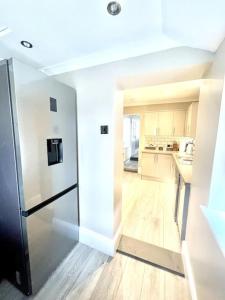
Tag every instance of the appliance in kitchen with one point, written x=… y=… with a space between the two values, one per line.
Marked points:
x=38 y=174
x=186 y=146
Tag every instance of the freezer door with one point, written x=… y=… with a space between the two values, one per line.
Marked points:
x=52 y=232
x=43 y=109
x=12 y=241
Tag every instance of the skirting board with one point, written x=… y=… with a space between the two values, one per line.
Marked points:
x=100 y=242
x=188 y=270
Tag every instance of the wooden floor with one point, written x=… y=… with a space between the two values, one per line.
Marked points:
x=89 y=274
x=148 y=208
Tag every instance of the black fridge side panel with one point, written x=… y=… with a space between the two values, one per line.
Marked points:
x=14 y=255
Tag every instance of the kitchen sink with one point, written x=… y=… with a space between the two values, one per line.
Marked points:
x=185 y=159
x=186 y=162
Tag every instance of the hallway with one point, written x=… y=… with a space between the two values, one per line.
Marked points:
x=148 y=208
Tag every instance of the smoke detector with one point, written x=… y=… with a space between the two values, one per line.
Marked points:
x=114 y=8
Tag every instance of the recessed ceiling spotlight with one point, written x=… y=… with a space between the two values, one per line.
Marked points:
x=114 y=8
x=26 y=44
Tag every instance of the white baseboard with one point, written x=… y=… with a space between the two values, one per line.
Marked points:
x=100 y=242
x=117 y=237
x=188 y=270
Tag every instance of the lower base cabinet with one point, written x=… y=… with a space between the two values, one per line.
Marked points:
x=148 y=165
x=181 y=208
x=159 y=166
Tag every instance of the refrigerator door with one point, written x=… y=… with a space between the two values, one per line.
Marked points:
x=43 y=110
x=52 y=232
x=12 y=241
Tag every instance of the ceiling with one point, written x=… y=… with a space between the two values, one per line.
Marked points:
x=69 y=35
x=165 y=93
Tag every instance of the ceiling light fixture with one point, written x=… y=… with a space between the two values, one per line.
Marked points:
x=26 y=44
x=114 y=8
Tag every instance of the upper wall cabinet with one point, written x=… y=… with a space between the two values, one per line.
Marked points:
x=150 y=123
x=165 y=123
x=191 y=120
x=179 y=117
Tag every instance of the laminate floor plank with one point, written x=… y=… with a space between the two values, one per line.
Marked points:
x=109 y=281
x=66 y=276
x=131 y=281
x=87 y=274
x=86 y=283
x=9 y=292
x=175 y=287
x=150 y=214
x=153 y=284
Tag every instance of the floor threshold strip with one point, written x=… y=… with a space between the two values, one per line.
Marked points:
x=158 y=257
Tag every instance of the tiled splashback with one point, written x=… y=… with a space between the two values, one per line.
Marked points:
x=161 y=140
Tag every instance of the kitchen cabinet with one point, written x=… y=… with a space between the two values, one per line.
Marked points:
x=188 y=121
x=179 y=117
x=181 y=207
x=148 y=164
x=159 y=166
x=164 y=166
x=191 y=120
x=165 y=123
x=165 y=119
x=150 y=123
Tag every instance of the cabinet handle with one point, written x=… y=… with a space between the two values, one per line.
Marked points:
x=174 y=131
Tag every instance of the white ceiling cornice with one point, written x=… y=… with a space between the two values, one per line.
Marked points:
x=135 y=49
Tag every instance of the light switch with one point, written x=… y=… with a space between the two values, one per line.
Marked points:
x=104 y=129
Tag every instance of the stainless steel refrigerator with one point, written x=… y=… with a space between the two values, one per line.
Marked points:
x=38 y=174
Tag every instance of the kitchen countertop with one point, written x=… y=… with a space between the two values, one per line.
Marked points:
x=184 y=170
x=158 y=151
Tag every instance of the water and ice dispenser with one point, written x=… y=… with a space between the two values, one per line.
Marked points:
x=55 y=151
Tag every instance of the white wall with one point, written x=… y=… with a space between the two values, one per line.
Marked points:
x=100 y=104
x=118 y=162
x=207 y=261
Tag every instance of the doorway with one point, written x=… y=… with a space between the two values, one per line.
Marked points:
x=131 y=137
x=149 y=186
x=153 y=133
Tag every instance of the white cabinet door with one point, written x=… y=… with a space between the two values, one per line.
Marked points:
x=191 y=120
x=148 y=165
x=181 y=206
x=165 y=119
x=179 y=123
x=194 y=118
x=188 y=121
x=164 y=166
x=150 y=123
x=159 y=166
